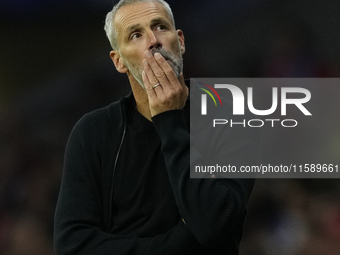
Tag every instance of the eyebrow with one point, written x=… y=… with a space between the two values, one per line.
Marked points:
x=132 y=28
x=158 y=20
x=154 y=22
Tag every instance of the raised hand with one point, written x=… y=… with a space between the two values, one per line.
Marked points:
x=165 y=91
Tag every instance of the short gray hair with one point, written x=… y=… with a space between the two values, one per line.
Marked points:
x=109 y=27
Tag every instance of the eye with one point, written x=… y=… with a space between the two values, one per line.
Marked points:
x=161 y=28
x=135 y=36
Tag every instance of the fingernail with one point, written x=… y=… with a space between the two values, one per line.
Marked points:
x=145 y=62
x=148 y=54
x=157 y=55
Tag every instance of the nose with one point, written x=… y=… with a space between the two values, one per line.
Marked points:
x=154 y=41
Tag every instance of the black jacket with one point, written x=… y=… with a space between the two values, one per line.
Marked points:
x=213 y=209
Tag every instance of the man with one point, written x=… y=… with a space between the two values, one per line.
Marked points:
x=126 y=187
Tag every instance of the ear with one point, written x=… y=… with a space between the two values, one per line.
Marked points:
x=118 y=61
x=181 y=40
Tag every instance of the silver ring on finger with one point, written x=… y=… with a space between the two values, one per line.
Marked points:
x=155 y=86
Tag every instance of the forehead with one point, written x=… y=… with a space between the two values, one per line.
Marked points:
x=137 y=13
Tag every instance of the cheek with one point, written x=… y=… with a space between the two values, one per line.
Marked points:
x=132 y=57
x=134 y=54
x=176 y=46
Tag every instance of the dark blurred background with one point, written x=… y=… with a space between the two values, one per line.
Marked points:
x=55 y=67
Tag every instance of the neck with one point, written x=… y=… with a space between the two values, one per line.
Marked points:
x=141 y=97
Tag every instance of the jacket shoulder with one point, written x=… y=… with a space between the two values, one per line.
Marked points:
x=98 y=129
x=101 y=119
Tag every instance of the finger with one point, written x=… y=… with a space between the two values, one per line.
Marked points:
x=149 y=90
x=176 y=83
x=153 y=81
x=149 y=73
x=167 y=69
x=157 y=88
x=158 y=72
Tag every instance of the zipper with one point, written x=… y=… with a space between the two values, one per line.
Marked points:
x=115 y=165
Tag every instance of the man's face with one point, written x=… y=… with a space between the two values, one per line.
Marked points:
x=146 y=26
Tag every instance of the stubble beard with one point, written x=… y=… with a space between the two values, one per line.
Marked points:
x=176 y=62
